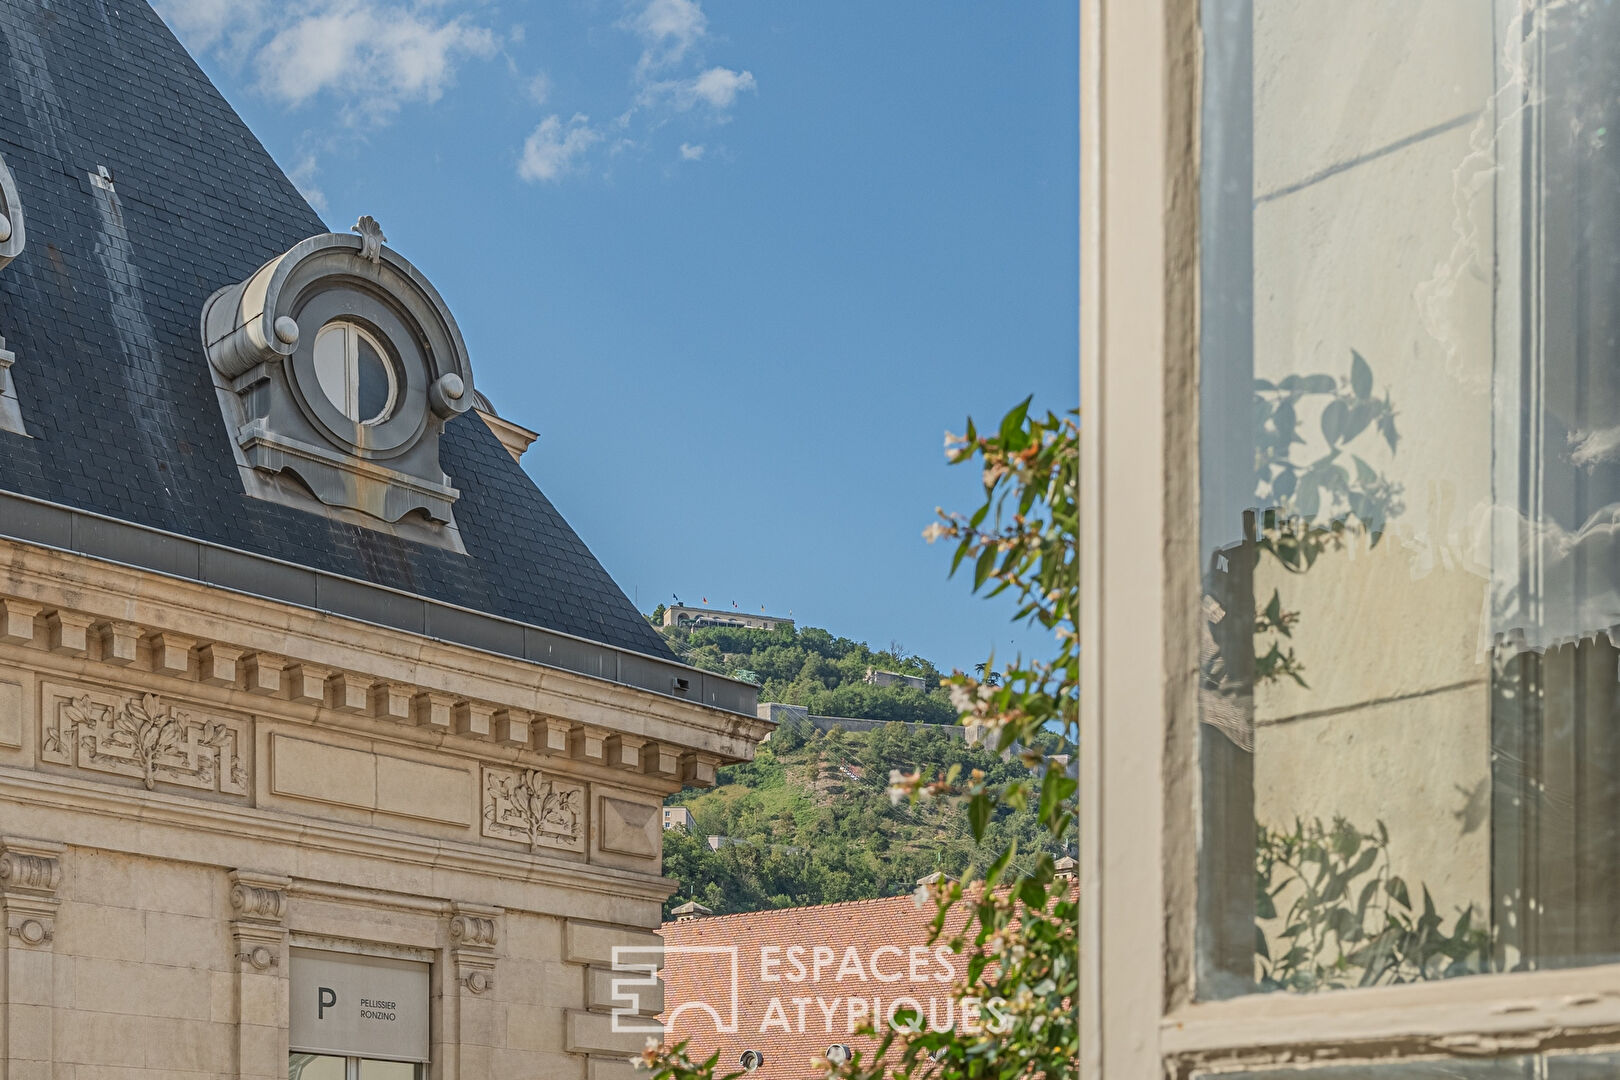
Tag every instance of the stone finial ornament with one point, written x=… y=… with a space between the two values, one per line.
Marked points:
x=371 y=238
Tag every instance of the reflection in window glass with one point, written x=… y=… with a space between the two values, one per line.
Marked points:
x=316 y=1067
x=1410 y=441
x=1556 y=1067
x=353 y=373
x=388 y=1070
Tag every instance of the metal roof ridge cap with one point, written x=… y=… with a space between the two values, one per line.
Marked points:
x=354 y=581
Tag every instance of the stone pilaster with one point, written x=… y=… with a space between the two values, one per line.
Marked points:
x=30 y=871
x=259 y=940
x=474 y=931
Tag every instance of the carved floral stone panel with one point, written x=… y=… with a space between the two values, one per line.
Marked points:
x=523 y=805
x=145 y=737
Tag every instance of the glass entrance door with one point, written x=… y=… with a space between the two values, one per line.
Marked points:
x=301 y=1066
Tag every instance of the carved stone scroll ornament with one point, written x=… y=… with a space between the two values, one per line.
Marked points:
x=141 y=736
x=473 y=930
x=523 y=805
x=260 y=904
x=30 y=871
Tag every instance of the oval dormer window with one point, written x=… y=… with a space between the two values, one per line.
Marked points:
x=354 y=372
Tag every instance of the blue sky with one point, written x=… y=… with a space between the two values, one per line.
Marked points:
x=740 y=264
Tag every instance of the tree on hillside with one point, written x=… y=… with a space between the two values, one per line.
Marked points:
x=826 y=674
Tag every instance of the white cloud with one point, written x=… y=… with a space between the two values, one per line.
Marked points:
x=669 y=28
x=369 y=56
x=540 y=88
x=691 y=153
x=303 y=177
x=554 y=148
x=210 y=24
x=718 y=87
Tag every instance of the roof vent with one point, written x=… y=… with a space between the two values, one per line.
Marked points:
x=1064 y=868
x=751 y=1060
x=690 y=910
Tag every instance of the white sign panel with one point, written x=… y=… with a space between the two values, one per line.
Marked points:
x=367 y=1006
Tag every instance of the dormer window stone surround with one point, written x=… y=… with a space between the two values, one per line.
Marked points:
x=337 y=365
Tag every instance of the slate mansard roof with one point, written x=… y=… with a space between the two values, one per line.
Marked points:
x=102 y=310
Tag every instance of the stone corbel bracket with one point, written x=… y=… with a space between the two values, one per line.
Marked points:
x=258 y=930
x=259 y=335
x=30 y=871
x=473 y=931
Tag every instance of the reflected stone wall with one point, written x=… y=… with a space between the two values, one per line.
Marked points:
x=1374 y=232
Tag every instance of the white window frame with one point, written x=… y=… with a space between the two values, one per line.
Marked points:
x=1140 y=78
x=353 y=334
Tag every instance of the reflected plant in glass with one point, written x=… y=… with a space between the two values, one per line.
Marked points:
x=1345 y=919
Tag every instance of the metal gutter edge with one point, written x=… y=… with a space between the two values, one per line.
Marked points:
x=64 y=528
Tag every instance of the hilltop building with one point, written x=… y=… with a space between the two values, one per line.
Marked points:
x=874 y=677
x=681 y=615
x=310 y=700
x=678 y=817
x=778 y=713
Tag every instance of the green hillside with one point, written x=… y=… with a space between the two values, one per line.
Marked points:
x=811 y=667
x=809 y=821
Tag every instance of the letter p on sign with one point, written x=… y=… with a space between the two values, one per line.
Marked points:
x=325 y=998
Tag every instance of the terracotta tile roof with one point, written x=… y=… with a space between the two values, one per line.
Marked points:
x=802 y=974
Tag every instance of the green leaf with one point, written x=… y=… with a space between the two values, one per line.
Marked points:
x=979 y=812
x=1396 y=888
x=993 y=875
x=984 y=567
x=1361 y=376
x=1012 y=425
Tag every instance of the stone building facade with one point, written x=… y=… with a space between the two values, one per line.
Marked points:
x=326 y=747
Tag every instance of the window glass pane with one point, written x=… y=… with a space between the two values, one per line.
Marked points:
x=316 y=1067
x=1555 y=1067
x=331 y=367
x=388 y=1070
x=376 y=381
x=1410 y=478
